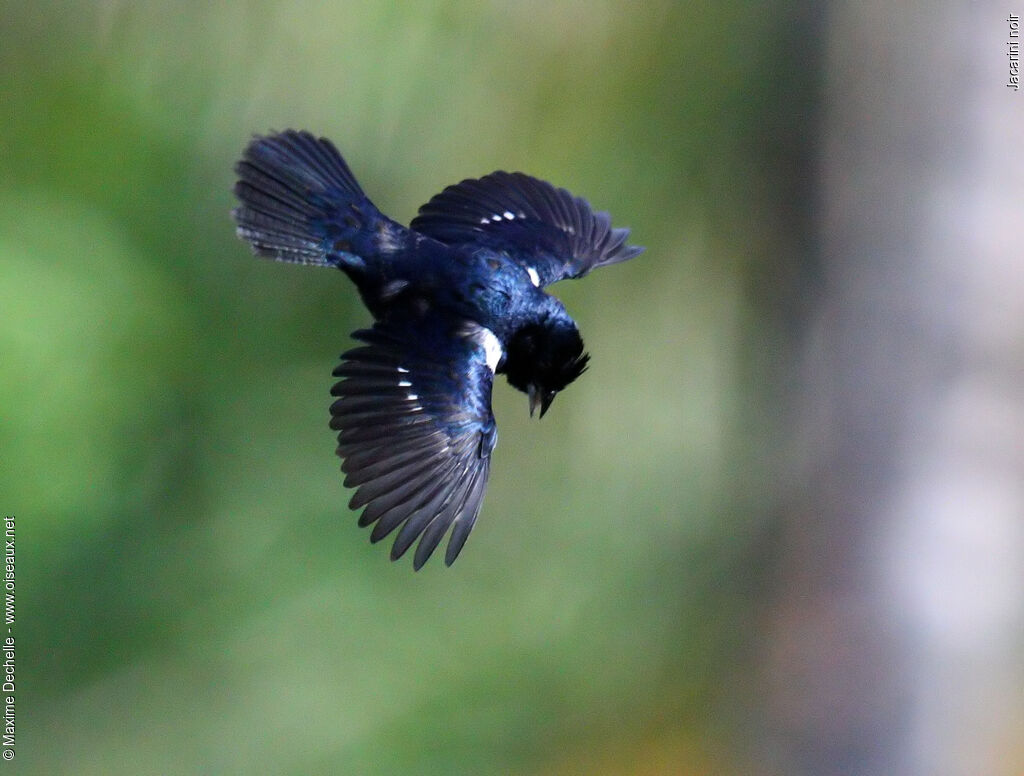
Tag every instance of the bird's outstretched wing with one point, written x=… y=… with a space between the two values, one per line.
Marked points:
x=416 y=430
x=548 y=230
x=300 y=203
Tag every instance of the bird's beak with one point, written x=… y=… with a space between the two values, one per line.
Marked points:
x=539 y=398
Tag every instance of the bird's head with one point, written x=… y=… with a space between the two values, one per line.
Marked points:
x=542 y=358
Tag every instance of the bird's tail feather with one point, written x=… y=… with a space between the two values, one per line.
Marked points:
x=300 y=202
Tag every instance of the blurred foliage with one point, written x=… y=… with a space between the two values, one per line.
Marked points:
x=194 y=595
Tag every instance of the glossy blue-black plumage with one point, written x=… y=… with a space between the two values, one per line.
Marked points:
x=457 y=298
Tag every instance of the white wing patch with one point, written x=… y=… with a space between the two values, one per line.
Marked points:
x=484 y=337
x=492 y=349
x=508 y=215
x=534 y=277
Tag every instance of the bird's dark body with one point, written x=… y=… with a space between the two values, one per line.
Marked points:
x=457 y=298
x=467 y=282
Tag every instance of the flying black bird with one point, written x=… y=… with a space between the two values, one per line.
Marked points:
x=457 y=297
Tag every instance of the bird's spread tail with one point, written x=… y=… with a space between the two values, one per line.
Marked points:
x=300 y=203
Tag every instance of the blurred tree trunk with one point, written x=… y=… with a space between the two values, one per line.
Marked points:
x=896 y=639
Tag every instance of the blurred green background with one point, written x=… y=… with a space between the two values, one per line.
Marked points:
x=194 y=595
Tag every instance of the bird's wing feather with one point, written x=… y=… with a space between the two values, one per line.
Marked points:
x=546 y=229
x=416 y=431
